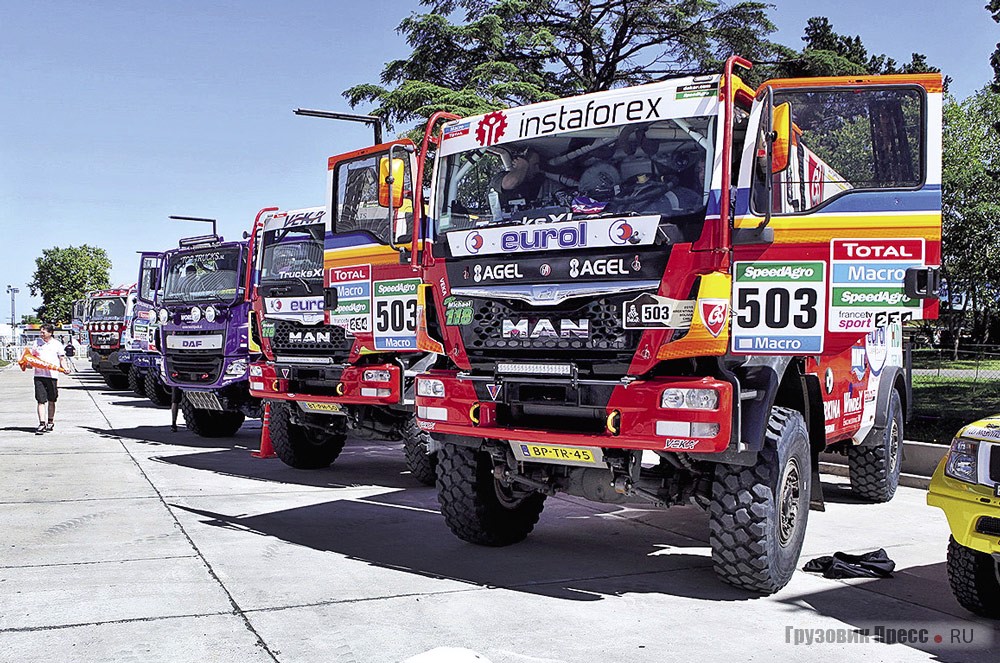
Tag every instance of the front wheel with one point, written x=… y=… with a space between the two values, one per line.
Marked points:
x=116 y=380
x=135 y=381
x=758 y=514
x=211 y=423
x=477 y=507
x=303 y=447
x=156 y=391
x=421 y=463
x=874 y=471
x=975 y=579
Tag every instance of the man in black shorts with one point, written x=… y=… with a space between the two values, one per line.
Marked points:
x=51 y=351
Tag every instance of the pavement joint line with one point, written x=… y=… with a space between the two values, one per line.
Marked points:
x=368 y=599
x=237 y=610
x=81 y=499
x=129 y=620
x=394 y=506
x=97 y=561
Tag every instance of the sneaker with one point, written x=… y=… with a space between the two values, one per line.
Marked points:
x=40 y=429
x=173 y=427
x=49 y=426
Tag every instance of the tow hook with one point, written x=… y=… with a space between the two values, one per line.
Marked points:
x=623 y=485
x=506 y=477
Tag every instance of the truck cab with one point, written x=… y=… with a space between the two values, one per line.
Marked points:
x=204 y=333
x=107 y=318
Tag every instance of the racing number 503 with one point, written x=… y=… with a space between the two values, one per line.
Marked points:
x=777 y=308
x=396 y=315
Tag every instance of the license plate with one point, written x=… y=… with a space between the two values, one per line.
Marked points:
x=561 y=455
x=320 y=407
x=996 y=490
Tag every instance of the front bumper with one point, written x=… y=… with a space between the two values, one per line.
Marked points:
x=331 y=384
x=631 y=415
x=964 y=504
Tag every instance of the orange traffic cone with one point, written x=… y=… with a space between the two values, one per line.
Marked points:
x=266 y=450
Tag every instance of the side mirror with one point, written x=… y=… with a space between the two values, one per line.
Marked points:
x=781 y=124
x=390 y=182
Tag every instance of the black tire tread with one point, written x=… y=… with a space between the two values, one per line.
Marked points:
x=292 y=447
x=116 y=381
x=742 y=500
x=422 y=465
x=210 y=423
x=469 y=503
x=975 y=579
x=135 y=381
x=868 y=468
x=156 y=391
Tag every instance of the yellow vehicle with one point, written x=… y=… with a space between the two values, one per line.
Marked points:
x=966 y=485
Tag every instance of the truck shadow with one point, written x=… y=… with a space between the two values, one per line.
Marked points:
x=162 y=435
x=916 y=597
x=571 y=555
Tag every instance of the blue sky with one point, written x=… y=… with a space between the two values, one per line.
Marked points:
x=119 y=113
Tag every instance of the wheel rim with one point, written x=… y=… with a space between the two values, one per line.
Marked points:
x=788 y=501
x=893 y=446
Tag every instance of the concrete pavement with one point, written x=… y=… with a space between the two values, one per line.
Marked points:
x=122 y=541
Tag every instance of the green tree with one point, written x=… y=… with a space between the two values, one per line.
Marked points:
x=501 y=53
x=970 y=206
x=64 y=275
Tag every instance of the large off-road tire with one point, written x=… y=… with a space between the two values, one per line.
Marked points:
x=302 y=447
x=115 y=380
x=874 y=471
x=156 y=391
x=422 y=465
x=758 y=514
x=210 y=423
x=135 y=381
x=975 y=579
x=476 y=506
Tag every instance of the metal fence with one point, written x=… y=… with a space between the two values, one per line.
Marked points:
x=952 y=388
x=11 y=352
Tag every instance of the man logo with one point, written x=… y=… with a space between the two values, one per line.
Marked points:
x=309 y=337
x=543 y=328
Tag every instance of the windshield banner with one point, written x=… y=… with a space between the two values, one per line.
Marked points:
x=592 y=233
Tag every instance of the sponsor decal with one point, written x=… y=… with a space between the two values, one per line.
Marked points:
x=494 y=390
x=320 y=336
x=654 y=312
x=267 y=329
x=831 y=410
x=828 y=381
x=354 y=303
x=545 y=328
x=426 y=425
x=982 y=432
x=303 y=218
x=502 y=272
x=598 y=267
x=491 y=128
x=456 y=130
x=867 y=282
x=696 y=90
x=293 y=304
x=778 y=307
x=572 y=116
x=457 y=311
x=680 y=444
x=858 y=361
x=545 y=269
x=555 y=236
x=395 y=314
x=713 y=314
x=876 y=350
x=285 y=372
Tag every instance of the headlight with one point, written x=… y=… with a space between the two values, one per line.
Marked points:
x=376 y=376
x=210 y=313
x=256 y=371
x=163 y=316
x=237 y=368
x=433 y=388
x=689 y=399
x=195 y=314
x=963 y=460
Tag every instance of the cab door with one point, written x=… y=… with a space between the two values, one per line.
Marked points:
x=370 y=287
x=838 y=225
x=145 y=324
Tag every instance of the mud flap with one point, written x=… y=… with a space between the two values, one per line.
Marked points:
x=816 y=502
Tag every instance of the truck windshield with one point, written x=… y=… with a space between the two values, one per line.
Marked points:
x=112 y=308
x=293 y=255
x=203 y=276
x=633 y=169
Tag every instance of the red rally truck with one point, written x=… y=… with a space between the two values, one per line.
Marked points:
x=679 y=293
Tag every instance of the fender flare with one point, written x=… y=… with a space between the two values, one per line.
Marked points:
x=891 y=376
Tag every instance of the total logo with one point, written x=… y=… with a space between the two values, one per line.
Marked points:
x=601 y=267
x=622 y=232
x=474 y=241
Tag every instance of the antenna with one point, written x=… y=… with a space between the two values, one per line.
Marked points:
x=372 y=120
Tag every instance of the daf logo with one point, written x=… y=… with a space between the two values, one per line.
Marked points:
x=545 y=328
x=309 y=337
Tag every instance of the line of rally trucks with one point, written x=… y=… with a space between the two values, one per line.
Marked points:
x=694 y=289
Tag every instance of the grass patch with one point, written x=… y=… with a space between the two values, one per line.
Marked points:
x=943 y=405
x=935 y=362
x=4 y=363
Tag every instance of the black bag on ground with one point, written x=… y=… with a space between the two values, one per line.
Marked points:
x=842 y=565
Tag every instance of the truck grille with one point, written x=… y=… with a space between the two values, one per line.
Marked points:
x=194 y=367
x=292 y=338
x=503 y=330
x=988 y=525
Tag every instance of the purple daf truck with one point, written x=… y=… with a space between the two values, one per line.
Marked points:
x=203 y=333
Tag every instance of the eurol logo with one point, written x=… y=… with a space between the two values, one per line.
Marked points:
x=491 y=128
x=622 y=232
x=474 y=242
x=713 y=314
